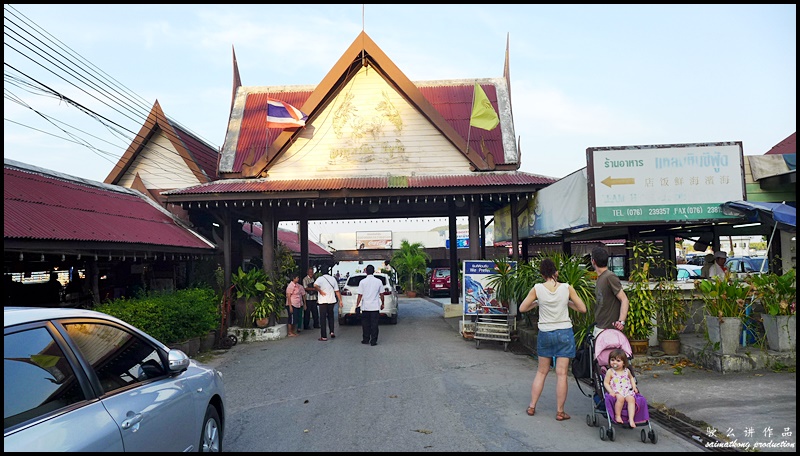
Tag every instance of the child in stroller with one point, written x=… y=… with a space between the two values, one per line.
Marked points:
x=604 y=345
x=621 y=384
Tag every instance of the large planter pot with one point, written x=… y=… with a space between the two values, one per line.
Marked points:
x=780 y=331
x=262 y=322
x=411 y=293
x=639 y=346
x=670 y=347
x=725 y=333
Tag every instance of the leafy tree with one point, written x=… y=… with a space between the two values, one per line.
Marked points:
x=411 y=262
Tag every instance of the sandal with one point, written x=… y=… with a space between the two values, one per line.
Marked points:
x=322 y=339
x=333 y=336
x=531 y=411
x=561 y=416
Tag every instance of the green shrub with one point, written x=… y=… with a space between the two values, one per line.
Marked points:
x=170 y=317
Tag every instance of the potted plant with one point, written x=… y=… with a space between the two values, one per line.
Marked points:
x=639 y=322
x=250 y=287
x=671 y=315
x=725 y=300
x=778 y=296
x=260 y=314
x=411 y=263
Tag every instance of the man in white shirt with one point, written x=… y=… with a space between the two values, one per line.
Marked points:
x=328 y=291
x=370 y=299
x=718 y=268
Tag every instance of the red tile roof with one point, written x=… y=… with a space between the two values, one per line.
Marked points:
x=39 y=204
x=269 y=185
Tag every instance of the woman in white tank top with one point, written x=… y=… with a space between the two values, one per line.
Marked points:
x=556 y=338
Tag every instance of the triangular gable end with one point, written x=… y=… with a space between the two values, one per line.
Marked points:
x=369 y=129
x=363 y=51
x=155 y=121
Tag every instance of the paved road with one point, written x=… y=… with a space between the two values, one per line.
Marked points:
x=422 y=388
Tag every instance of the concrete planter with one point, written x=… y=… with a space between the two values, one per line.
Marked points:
x=191 y=347
x=247 y=335
x=207 y=342
x=725 y=333
x=781 y=331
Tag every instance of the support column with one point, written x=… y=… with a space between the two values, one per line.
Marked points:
x=514 y=231
x=268 y=240
x=227 y=260
x=475 y=238
x=451 y=209
x=303 y=232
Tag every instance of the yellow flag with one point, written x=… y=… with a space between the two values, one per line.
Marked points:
x=483 y=114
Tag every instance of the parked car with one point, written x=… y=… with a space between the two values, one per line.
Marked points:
x=439 y=282
x=745 y=265
x=80 y=380
x=350 y=295
x=696 y=259
x=688 y=272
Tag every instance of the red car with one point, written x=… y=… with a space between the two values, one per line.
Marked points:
x=439 y=282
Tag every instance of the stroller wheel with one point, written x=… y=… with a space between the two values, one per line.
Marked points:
x=644 y=436
x=589 y=420
x=611 y=434
x=603 y=433
x=653 y=437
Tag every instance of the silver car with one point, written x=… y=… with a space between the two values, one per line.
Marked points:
x=350 y=296
x=80 y=380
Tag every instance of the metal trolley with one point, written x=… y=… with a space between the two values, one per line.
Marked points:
x=493 y=326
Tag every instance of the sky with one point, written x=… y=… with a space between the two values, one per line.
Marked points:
x=581 y=75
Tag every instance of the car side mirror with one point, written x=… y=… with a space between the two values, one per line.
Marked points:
x=178 y=361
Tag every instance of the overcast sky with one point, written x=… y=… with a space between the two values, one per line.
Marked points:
x=581 y=75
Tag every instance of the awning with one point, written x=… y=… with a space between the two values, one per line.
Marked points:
x=780 y=214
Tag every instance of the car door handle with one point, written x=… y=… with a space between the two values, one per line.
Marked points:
x=135 y=419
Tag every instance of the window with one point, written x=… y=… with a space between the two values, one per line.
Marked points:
x=118 y=357
x=37 y=377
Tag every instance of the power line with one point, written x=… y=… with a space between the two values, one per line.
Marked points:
x=54 y=58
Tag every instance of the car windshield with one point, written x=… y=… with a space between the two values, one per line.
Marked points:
x=758 y=263
x=355 y=280
x=442 y=273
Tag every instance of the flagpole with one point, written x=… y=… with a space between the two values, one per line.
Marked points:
x=469 y=125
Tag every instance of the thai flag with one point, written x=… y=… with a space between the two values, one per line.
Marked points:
x=284 y=115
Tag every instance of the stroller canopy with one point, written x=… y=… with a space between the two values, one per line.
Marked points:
x=607 y=341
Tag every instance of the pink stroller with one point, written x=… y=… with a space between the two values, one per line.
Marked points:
x=605 y=342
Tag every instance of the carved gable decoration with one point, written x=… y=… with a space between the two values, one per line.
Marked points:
x=368 y=129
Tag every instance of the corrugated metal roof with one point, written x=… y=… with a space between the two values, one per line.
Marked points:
x=204 y=155
x=267 y=185
x=787 y=146
x=41 y=205
x=254 y=136
x=288 y=238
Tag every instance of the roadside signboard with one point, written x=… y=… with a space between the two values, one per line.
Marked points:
x=370 y=240
x=672 y=183
x=475 y=287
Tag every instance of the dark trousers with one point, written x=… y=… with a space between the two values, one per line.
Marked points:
x=369 y=325
x=326 y=317
x=311 y=312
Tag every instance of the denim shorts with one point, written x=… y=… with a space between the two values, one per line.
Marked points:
x=559 y=343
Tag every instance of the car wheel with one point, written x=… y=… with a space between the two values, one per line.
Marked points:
x=393 y=319
x=211 y=433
